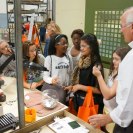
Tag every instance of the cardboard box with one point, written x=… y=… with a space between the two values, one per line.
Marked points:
x=65 y=113
x=43 y=123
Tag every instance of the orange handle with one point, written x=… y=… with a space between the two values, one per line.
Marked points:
x=88 y=101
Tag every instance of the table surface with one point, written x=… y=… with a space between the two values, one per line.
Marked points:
x=10 y=90
x=11 y=104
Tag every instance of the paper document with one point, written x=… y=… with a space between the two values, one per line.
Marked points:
x=67 y=125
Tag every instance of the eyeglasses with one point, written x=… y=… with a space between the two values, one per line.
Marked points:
x=84 y=46
x=63 y=44
x=5 y=47
x=125 y=26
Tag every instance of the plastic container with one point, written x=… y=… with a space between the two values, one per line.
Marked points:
x=50 y=99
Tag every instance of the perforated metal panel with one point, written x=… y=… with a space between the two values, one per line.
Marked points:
x=103 y=19
x=107 y=29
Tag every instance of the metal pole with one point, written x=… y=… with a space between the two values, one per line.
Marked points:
x=19 y=63
x=54 y=10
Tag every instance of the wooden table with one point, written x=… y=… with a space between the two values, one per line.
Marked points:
x=11 y=106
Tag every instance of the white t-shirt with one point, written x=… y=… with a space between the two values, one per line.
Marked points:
x=60 y=67
x=74 y=59
x=110 y=104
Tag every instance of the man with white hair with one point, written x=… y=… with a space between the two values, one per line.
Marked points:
x=122 y=115
x=5 y=54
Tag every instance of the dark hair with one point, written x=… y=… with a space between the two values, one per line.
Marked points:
x=91 y=40
x=77 y=31
x=121 y=52
x=26 y=46
x=53 y=41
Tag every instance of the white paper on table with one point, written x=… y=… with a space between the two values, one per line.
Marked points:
x=61 y=126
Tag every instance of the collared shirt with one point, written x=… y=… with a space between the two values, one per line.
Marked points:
x=123 y=113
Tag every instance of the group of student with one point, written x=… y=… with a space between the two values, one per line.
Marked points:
x=73 y=68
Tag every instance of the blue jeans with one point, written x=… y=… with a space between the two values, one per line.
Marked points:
x=46 y=47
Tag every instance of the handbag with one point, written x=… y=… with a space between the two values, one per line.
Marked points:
x=88 y=108
x=60 y=91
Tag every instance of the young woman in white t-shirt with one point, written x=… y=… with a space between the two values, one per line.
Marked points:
x=57 y=62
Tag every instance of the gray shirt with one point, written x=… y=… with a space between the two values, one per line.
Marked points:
x=10 y=69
